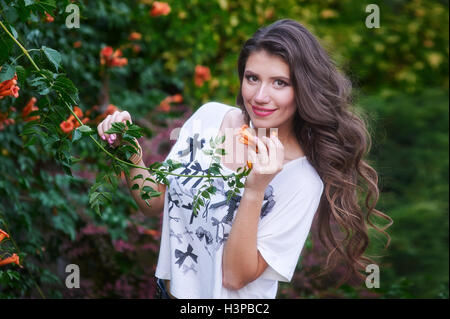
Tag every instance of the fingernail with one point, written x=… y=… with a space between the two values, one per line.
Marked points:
x=113 y=137
x=109 y=140
x=104 y=137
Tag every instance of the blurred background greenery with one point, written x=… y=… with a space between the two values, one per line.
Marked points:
x=400 y=77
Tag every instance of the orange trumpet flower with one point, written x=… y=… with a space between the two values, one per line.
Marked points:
x=3 y=234
x=9 y=87
x=159 y=9
x=14 y=259
x=247 y=138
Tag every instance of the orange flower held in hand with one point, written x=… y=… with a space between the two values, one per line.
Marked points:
x=247 y=138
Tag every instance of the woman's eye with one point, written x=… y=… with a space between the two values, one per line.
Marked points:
x=280 y=83
x=251 y=78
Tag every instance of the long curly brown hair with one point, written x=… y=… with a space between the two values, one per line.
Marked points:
x=334 y=138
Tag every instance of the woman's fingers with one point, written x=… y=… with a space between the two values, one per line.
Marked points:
x=262 y=151
x=102 y=128
x=106 y=126
x=279 y=150
x=272 y=150
x=270 y=155
x=124 y=117
x=107 y=123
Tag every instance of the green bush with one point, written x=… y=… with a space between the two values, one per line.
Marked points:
x=47 y=201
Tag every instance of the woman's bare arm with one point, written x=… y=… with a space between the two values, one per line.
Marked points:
x=156 y=203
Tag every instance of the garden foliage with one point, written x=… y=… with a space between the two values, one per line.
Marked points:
x=63 y=196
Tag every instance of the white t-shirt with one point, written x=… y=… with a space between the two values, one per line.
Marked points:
x=191 y=246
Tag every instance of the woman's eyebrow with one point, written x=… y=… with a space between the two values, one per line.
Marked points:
x=272 y=77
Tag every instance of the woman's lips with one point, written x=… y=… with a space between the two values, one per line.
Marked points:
x=261 y=111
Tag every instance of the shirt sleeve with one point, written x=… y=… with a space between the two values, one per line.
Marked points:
x=283 y=232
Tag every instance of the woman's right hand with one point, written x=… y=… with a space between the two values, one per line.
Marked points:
x=106 y=124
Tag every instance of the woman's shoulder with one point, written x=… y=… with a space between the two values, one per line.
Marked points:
x=207 y=117
x=213 y=108
x=301 y=173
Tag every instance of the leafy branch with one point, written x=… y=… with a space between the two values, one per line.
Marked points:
x=56 y=86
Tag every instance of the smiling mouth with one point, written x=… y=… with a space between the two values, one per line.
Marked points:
x=261 y=111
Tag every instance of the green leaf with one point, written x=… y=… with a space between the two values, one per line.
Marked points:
x=138 y=176
x=206 y=194
x=211 y=143
x=41 y=84
x=220 y=151
x=6 y=43
x=67 y=90
x=216 y=159
x=147 y=189
x=220 y=139
x=30 y=142
x=76 y=135
x=155 y=194
x=214 y=170
x=93 y=197
x=53 y=56
x=21 y=74
x=44 y=5
x=7 y=72
x=85 y=129
x=10 y=14
x=208 y=152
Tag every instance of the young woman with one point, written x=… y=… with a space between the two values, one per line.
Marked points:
x=242 y=247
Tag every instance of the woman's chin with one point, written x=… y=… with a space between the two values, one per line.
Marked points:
x=261 y=124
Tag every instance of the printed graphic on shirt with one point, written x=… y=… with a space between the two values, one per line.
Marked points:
x=193 y=236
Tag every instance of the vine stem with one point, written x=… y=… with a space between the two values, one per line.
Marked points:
x=20 y=45
x=25 y=51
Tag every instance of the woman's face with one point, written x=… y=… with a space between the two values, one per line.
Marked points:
x=267 y=92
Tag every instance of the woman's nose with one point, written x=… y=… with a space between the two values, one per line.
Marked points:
x=262 y=95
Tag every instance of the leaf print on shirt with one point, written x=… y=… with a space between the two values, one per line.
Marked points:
x=193 y=145
x=193 y=168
